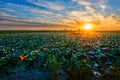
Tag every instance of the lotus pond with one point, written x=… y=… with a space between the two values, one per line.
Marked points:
x=60 y=56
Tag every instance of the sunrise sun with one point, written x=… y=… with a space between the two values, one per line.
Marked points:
x=88 y=26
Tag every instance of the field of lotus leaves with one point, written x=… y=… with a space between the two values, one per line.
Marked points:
x=60 y=56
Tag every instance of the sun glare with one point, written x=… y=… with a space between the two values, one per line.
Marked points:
x=87 y=26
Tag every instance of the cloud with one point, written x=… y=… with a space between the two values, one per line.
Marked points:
x=76 y=13
x=97 y=4
x=12 y=21
x=103 y=7
x=28 y=12
x=89 y=11
x=25 y=15
x=26 y=8
x=88 y=14
x=92 y=10
x=99 y=21
x=57 y=13
x=47 y=4
x=83 y=2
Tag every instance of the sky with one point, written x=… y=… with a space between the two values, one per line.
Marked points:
x=59 y=14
